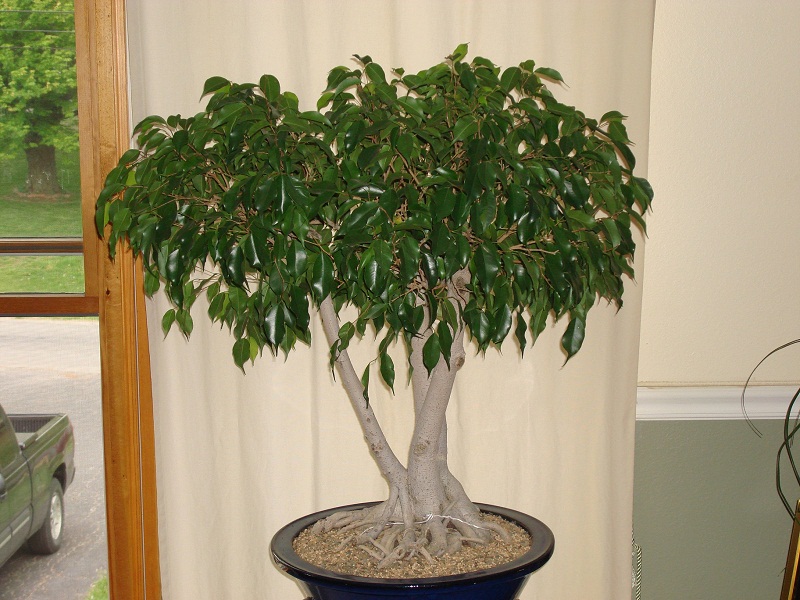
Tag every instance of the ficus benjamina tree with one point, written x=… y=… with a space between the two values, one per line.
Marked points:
x=463 y=203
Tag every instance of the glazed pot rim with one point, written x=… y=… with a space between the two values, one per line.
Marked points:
x=286 y=558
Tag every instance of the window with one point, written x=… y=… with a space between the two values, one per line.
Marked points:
x=46 y=250
x=113 y=291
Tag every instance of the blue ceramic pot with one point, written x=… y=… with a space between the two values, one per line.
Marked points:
x=499 y=583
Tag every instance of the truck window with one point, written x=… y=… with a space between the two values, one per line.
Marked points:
x=8 y=444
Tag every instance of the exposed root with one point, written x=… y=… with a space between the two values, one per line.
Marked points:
x=499 y=530
x=373 y=553
x=378 y=532
x=345 y=542
x=426 y=554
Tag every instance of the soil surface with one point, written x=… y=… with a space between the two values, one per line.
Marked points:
x=327 y=551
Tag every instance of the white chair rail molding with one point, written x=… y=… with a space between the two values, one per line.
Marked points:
x=712 y=403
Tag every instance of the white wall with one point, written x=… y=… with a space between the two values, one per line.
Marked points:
x=722 y=269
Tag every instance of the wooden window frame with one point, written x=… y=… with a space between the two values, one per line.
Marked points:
x=87 y=303
x=131 y=501
x=113 y=290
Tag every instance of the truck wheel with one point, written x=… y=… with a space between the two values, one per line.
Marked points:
x=48 y=539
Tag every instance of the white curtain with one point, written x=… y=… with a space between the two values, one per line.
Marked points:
x=239 y=456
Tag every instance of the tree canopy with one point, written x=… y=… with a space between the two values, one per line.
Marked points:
x=379 y=201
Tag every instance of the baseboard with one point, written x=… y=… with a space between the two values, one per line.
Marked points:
x=712 y=403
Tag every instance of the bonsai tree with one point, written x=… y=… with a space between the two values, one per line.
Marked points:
x=457 y=204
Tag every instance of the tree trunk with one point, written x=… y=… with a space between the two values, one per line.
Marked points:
x=42 y=174
x=427 y=511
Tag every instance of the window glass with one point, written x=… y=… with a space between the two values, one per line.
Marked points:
x=51 y=366
x=39 y=161
x=41 y=274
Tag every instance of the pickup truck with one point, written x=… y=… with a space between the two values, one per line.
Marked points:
x=36 y=467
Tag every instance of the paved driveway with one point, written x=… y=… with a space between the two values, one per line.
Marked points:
x=53 y=365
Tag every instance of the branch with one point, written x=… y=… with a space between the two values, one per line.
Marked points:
x=420 y=379
x=390 y=467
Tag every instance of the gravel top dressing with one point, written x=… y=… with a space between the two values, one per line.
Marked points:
x=329 y=551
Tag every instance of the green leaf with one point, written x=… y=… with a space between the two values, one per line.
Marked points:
x=375 y=73
x=369 y=190
x=217 y=307
x=445 y=339
x=405 y=145
x=129 y=156
x=372 y=271
x=167 y=320
x=271 y=87
x=185 y=321
x=612 y=115
x=346 y=83
x=576 y=190
x=428 y=264
x=354 y=135
x=519 y=332
x=299 y=306
x=413 y=106
x=549 y=74
x=442 y=204
x=464 y=128
x=510 y=78
x=296 y=259
x=502 y=324
x=450 y=315
x=539 y=314
x=315 y=116
x=409 y=259
x=282 y=192
x=387 y=370
x=618 y=132
x=487 y=264
x=241 y=352
x=256 y=250
x=365 y=383
x=274 y=325
x=613 y=232
x=324 y=100
x=480 y=327
x=214 y=84
x=151 y=283
x=579 y=219
x=441 y=240
x=572 y=340
x=643 y=191
x=468 y=80
x=322 y=277
x=175 y=266
x=431 y=352
x=516 y=203
x=234 y=265
x=459 y=53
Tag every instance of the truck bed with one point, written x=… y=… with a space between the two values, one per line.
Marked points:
x=29 y=427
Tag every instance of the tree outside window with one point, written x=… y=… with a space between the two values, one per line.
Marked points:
x=39 y=160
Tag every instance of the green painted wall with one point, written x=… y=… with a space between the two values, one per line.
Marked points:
x=706 y=513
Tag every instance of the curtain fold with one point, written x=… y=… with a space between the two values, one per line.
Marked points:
x=239 y=456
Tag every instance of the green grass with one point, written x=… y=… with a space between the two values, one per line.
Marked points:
x=37 y=274
x=20 y=217
x=99 y=589
x=40 y=217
